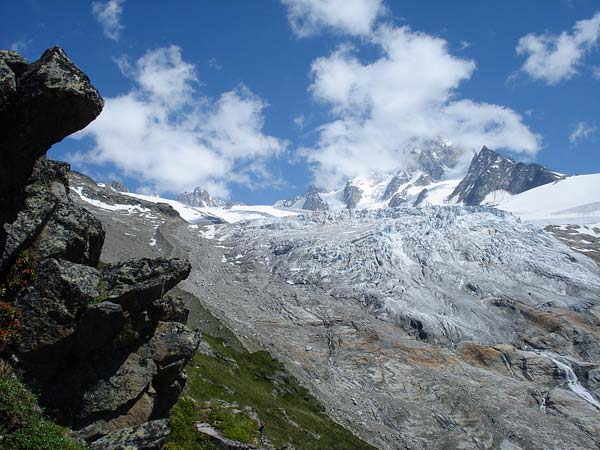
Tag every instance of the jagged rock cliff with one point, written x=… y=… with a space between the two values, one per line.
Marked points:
x=491 y=172
x=102 y=345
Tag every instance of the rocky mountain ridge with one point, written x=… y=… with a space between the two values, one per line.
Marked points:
x=491 y=173
x=404 y=187
x=201 y=198
x=432 y=182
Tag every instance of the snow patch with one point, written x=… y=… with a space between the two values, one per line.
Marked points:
x=130 y=209
x=573 y=200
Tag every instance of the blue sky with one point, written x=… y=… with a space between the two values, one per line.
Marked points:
x=258 y=99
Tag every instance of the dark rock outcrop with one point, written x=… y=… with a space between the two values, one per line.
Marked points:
x=103 y=347
x=435 y=156
x=397 y=200
x=491 y=171
x=397 y=181
x=420 y=198
x=136 y=283
x=41 y=103
x=352 y=195
x=72 y=233
x=313 y=201
x=118 y=186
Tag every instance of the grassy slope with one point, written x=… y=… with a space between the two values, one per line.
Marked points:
x=232 y=375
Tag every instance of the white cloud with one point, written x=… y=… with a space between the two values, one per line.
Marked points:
x=214 y=64
x=21 y=46
x=171 y=139
x=582 y=131
x=596 y=72
x=108 y=14
x=552 y=58
x=465 y=45
x=355 y=17
x=407 y=96
x=300 y=121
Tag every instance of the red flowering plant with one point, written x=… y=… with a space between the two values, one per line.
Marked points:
x=18 y=277
x=21 y=275
x=10 y=325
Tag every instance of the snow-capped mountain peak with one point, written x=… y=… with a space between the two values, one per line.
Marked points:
x=426 y=181
x=201 y=198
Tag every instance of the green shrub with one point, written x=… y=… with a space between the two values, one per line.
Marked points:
x=182 y=420
x=40 y=435
x=17 y=405
x=22 y=425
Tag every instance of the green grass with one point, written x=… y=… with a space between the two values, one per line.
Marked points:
x=102 y=292
x=22 y=425
x=231 y=422
x=287 y=410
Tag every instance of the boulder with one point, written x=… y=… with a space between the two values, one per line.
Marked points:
x=171 y=347
x=45 y=189
x=136 y=283
x=120 y=389
x=147 y=436
x=98 y=324
x=147 y=382
x=50 y=310
x=170 y=309
x=29 y=221
x=72 y=233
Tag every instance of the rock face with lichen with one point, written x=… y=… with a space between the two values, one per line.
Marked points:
x=102 y=345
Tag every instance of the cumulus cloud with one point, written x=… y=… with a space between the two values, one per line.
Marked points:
x=409 y=95
x=582 y=131
x=171 y=139
x=596 y=72
x=552 y=58
x=354 y=17
x=108 y=14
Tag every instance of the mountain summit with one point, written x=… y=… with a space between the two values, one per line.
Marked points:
x=425 y=179
x=201 y=198
x=491 y=173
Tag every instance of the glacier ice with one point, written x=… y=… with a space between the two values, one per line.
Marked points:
x=447 y=273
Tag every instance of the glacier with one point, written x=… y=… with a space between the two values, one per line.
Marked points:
x=447 y=273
